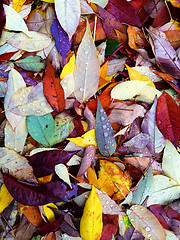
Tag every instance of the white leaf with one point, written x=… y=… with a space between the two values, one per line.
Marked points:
x=170 y=235
x=14 y=83
x=86 y=68
x=68 y=13
x=68 y=85
x=25 y=10
x=165 y=190
x=62 y=172
x=30 y=101
x=6 y=48
x=15 y=139
x=17 y=165
x=6 y=35
x=171 y=162
x=101 y=3
x=14 y=21
x=85 y=8
x=34 y=42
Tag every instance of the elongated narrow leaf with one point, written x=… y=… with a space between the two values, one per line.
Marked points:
x=31 y=63
x=41 y=128
x=171 y=162
x=34 y=195
x=91 y=222
x=14 y=21
x=149 y=126
x=5 y=198
x=167 y=118
x=43 y=163
x=86 y=69
x=52 y=88
x=68 y=13
x=146 y=223
x=104 y=132
x=2 y=18
x=61 y=39
x=144 y=188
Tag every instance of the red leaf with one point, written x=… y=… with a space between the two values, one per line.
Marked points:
x=35 y=195
x=53 y=90
x=124 y=12
x=138 y=4
x=167 y=118
x=110 y=226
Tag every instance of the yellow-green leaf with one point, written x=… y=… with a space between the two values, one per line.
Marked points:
x=91 y=222
x=87 y=139
x=48 y=212
x=5 y=198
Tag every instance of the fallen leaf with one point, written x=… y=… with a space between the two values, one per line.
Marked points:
x=17 y=4
x=69 y=67
x=25 y=230
x=167 y=118
x=2 y=19
x=49 y=212
x=145 y=222
x=91 y=221
x=87 y=68
x=31 y=63
x=62 y=172
x=5 y=198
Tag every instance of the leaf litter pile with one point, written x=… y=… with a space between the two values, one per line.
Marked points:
x=90 y=119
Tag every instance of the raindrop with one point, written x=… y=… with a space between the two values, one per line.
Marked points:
x=106 y=147
x=111 y=206
x=81 y=89
x=101 y=110
x=107 y=202
x=149 y=235
x=105 y=207
x=104 y=126
x=102 y=118
x=43 y=104
x=105 y=134
x=38 y=111
x=142 y=209
x=132 y=220
x=135 y=208
x=86 y=52
x=21 y=99
x=148 y=229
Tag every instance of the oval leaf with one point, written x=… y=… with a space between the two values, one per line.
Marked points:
x=104 y=132
x=146 y=223
x=31 y=63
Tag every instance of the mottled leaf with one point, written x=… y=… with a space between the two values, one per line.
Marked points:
x=86 y=69
x=104 y=132
x=43 y=163
x=167 y=118
x=34 y=195
x=31 y=63
x=146 y=223
x=52 y=88
x=61 y=39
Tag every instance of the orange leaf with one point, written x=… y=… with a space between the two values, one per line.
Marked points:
x=92 y=177
x=136 y=37
x=113 y=181
x=53 y=90
x=44 y=180
x=102 y=76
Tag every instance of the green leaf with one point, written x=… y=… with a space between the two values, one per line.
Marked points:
x=31 y=63
x=112 y=45
x=144 y=188
x=104 y=132
x=41 y=128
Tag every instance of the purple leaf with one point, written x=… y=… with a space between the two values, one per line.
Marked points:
x=61 y=39
x=43 y=163
x=29 y=81
x=34 y=195
x=164 y=53
x=149 y=126
x=2 y=17
x=124 y=12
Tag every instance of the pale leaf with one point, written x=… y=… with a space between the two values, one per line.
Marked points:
x=67 y=84
x=170 y=235
x=62 y=172
x=34 y=42
x=147 y=72
x=68 y=13
x=165 y=190
x=14 y=21
x=146 y=223
x=17 y=165
x=30 y=101
x=171 y=162
x=25 y=10
x=86 y=69
x=15 y=139
x=101 y=3
x=115 y=65
x=6 y=48
x=147 y=94
x=85 y=8
x=6 y=35
x=14 y=83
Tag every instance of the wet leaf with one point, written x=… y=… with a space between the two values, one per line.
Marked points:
x=91 y=222
x=171 y=162
x=34 y=195
x=104 y=132
x=146 y=223
x=68 y=15
x=31 y=63
x=167 y=118
x=86 y=69
x=43 y=163
x=5 y=198
x=52 y=89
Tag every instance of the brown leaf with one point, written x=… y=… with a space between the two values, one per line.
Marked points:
x=25 y=230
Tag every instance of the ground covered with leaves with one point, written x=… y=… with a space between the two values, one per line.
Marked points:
x=90 y=119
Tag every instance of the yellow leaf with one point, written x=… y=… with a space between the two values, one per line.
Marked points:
x=85 y=125
x=5 y=198
x=48 y=1
x=48 y=212
x=135 y=75
x=87 y=139
x=91 y=222
x=175 y=23
x=17 y=4
x=113 y=181
x=44 y=180
x=92 y=177
x=175 y=3
x=69 y=67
